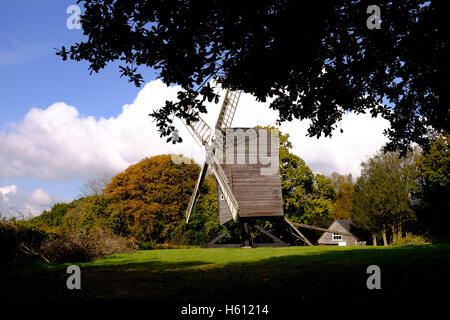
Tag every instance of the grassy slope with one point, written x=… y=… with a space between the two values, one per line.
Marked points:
x=299 y=273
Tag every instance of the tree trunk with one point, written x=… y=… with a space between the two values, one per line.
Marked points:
x=385 y=243
x=394 y=234
x=374 y=239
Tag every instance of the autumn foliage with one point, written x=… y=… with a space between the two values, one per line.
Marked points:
x=149 y=198
x=144 y=207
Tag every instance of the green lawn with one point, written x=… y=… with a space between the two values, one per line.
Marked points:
x=294 y=273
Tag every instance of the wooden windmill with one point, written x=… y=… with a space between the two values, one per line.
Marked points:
x=248 y=185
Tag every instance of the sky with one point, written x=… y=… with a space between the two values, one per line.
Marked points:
x=61 y=126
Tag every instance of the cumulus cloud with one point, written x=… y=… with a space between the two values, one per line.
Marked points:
x=362 y=136
x=57 y=143
x=40 y=197
x=13 y=202
x=8 y=190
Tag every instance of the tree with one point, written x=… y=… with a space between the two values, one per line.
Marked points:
x=53 y=217
x=399 y=71
x=149 y=198
x=434 y=189
x=88 y=213
x=363 y=211
x=343 y=185
x=95 y=186
x=204 y=224
x=383 y=195
x=307 y=197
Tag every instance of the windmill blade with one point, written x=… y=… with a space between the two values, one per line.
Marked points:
x=199 y=130
x=222 y=180
x=196 y=192
x=228 y=109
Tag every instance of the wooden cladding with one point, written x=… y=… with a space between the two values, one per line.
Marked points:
x=256 y=184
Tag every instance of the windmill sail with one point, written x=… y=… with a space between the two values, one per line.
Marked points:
x=228 y=109
x=195 y=193
x=223 y=211
x=202 y=134
x=199 y=130
x=223 y=182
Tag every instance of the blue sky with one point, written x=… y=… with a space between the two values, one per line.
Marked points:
x=31 y=75
x=29 y=32
x=60 y=126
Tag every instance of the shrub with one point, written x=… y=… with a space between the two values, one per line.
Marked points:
x=411 y=240
x=19 y=243
x=83 y=245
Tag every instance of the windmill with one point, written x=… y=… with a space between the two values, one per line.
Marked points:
x=246 y=189
x=248 y=185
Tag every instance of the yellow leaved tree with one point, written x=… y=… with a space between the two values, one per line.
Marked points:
x=149 y=198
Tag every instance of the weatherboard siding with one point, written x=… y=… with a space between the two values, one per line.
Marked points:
x=257 y=195
x=338 y=225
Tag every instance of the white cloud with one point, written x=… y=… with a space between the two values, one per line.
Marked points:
x=58 y=143
x=362 y=136
x=13 y=202
x=7 y=190
x=40 y=197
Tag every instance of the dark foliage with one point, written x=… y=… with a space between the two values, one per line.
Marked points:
x=83 y=245
x=17 y=242
x=433 y=205
x=317 y=59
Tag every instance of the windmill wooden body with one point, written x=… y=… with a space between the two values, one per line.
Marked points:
x=245 y=163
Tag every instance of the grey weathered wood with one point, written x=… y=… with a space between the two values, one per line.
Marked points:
x=271 y=236
x=212 y=243
x=222 y=207
x=195 y=193
x=223 y=181
x=257 y=195
x=339 y=227
x=200 y=130
x=301 y=225
x=228 y=109
x=298 y=232
x=246 y=235
x=246 y=241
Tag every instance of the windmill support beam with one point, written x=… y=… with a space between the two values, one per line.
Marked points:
x=297 y=231
x=213 y=244
x=248 y=242
x=246 y=235
x=277 y=242
x=301 y=225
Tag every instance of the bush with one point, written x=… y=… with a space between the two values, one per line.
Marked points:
x=81 y=246
x=19 y=243
x=411 y=240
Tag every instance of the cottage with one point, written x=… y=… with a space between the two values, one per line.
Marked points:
x=343 y=238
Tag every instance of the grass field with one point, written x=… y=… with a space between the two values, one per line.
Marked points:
x=293 y=273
